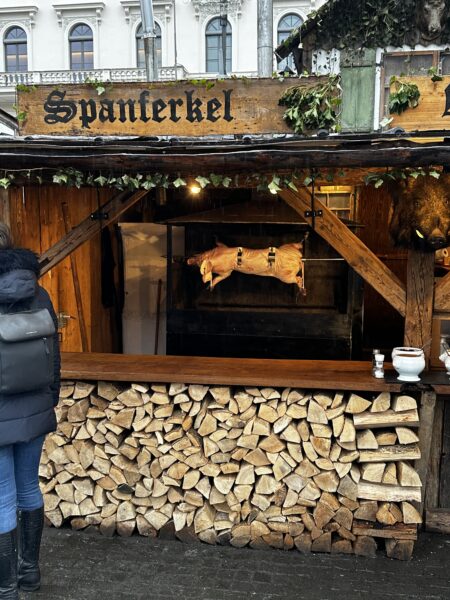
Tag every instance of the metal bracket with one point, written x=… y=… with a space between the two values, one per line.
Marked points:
x=313 y=213
x=239 y=256
x=99 y=216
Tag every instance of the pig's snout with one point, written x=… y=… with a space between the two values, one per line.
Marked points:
x=437 y=239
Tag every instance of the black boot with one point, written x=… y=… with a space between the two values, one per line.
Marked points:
x=8 y=566
x=30 y=525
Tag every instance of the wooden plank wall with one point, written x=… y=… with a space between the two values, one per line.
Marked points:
x=37 y=222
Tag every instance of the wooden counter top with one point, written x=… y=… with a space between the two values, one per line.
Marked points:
x=340 y=375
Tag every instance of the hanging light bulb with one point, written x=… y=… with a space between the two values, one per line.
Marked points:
x=195 y=189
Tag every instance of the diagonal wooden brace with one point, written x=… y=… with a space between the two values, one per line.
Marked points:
x=350 y=247
x=88 y=228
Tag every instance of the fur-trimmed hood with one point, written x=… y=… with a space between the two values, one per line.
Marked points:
x=19 y=270
x=12 y=259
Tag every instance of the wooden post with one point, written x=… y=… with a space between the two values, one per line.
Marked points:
x=419 y=300
x=418 y=322
x=427 y=407
x=433 y=483
x=4 y=207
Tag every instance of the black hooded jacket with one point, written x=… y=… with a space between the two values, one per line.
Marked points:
x=25 y=416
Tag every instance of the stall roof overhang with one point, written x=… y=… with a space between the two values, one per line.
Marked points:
x=227 y=154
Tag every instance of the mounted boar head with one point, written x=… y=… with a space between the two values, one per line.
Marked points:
x=421 y=213
x=430 y=18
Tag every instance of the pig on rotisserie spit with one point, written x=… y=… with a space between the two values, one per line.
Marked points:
x=421 y=213
x=284 y=263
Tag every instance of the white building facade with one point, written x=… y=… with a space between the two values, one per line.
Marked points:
x=60 y=41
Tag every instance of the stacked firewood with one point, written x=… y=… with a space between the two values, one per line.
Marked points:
x=290 y=468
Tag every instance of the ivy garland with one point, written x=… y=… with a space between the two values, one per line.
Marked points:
x=275 y=183
x=312 y=107
x=395 y=175
x=71 y=177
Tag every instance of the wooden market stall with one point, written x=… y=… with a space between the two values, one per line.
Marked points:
x=312 y=454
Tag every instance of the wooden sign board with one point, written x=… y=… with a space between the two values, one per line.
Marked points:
x=433 y=111
x=224 y=107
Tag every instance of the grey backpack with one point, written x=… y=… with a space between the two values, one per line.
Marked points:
x=26 y=351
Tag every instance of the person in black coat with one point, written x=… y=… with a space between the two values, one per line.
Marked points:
x=25 y=419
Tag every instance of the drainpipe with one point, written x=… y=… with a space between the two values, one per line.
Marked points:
x=265 y=38
x=148 y=29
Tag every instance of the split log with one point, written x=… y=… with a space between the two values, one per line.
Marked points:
x=373 y=472
x=389 y=418
x=386 y=438
x=406 y=435
x=366 y=440
x=402 y=403
x=399 y=531
x=390 y=493
x=411 y=515
x=357 y=405
x=316 y=413
x=382 y=403
x=365 y=546
x=390 y=453
x=399 y=549
x=256 y=467
x=407 y=476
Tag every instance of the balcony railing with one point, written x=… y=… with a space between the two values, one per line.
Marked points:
x=10 y=80
x=115 y=75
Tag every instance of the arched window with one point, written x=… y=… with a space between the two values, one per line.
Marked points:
x=140 y=47
x=15 y=42
x=81 y=48
x=285 y=27
x=217 y=31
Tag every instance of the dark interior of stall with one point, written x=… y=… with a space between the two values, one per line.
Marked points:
x=250 y=315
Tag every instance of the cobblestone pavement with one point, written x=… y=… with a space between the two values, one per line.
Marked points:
x=87 y=566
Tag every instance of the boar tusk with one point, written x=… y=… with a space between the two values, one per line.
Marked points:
x=420 y=234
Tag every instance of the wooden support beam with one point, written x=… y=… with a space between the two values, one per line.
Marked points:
x=442 y=294
x=427 y=407
x=350 y=247
x=4 y=207
x=419 y=300
x=433 y=485
x=76 y=284
x=88 y=228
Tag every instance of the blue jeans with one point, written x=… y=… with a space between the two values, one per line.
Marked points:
x=19 y=480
